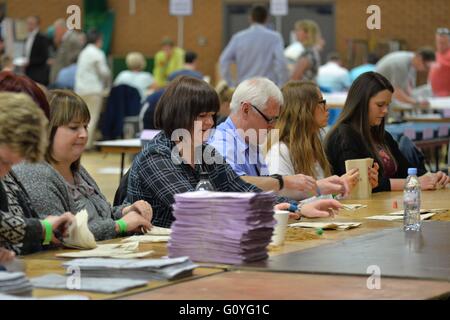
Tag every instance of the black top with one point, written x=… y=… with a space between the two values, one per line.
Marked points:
x=346 y=144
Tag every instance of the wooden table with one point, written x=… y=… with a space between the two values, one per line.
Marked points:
x=123 y=147
x=213 y=281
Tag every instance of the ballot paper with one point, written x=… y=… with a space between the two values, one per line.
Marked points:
x=114 y=250
x=80 y=237
x=391 y=217
x=158 y=231
x=147 y=239
x=15 y=283
x=145 y=269
x=354 y=206
x=326 y=225
x=102 y=285
x=222 y=227
x=363 y=189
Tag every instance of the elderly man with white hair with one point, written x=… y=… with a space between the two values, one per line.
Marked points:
x=255 y=107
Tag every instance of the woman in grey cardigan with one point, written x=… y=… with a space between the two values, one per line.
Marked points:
x=61 y=184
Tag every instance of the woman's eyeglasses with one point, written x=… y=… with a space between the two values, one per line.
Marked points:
x=323 y=103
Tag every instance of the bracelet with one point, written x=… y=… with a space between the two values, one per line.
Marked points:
x=122 y=226
x=48 y=232
x=280 y=180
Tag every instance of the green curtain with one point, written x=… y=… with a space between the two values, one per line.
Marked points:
x=98 y=16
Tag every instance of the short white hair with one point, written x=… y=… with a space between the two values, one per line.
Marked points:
x=256 y=91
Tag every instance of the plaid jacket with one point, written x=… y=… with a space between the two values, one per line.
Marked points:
x=156 y=177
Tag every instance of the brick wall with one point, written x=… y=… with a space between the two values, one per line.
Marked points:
x=411 y=20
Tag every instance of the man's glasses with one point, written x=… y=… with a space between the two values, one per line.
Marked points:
x=268 y=120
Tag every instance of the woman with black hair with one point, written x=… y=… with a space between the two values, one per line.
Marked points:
x=171 y=163
x=360 y=133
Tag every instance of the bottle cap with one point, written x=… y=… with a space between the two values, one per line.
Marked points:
x=412 y=171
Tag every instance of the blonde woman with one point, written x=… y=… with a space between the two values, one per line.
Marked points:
x=225 y=94
x=135 y=76
x=307 y=66
x=299 y=147
x=23 y=137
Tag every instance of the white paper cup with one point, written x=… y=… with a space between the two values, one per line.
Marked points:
x=279 y=231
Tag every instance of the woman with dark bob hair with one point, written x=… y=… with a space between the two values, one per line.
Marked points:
x=359 y=133
x=171 y=163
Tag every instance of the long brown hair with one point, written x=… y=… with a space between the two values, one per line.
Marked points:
x=356 y=112
x=298 y=128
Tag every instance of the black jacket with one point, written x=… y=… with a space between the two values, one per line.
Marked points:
x=346 y=144
x=37 y=68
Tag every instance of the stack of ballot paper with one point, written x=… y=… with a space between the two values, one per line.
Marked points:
x=222 y=227
x=398 y=215
x=15 y=283
x=147 y=269
x=326 y=225
x=102 y=285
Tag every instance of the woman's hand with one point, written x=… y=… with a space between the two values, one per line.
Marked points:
x=142 y=207
x=352 y=178
x=373 y=175
x=333 y=185
x=6 y=255
x=442 y=180
x=427 y=182
x=320 y=208
x=60 y=225
x=135 y=222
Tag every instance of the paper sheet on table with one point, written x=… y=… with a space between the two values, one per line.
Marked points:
x=158 y=231
x=354 y=206
x=80 y=237
x=326 y=225
x=147 y=239
x=399 y=217
x=103 y=285
x=363 y=189
x=115 y=250
x=422 y=211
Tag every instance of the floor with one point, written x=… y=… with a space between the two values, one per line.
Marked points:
x=105 y=169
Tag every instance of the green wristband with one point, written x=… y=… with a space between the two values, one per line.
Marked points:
x=122 y=226
x=48 y=232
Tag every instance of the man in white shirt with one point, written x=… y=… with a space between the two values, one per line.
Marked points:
x=92 y=78
x=332 y=76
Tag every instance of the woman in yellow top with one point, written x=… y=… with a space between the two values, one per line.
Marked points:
x=167 y=60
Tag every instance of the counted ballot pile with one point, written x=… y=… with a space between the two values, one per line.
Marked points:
x=222 y=227
x=15 y=283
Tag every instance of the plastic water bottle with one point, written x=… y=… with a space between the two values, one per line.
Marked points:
x=411 y=202
x=204 y=184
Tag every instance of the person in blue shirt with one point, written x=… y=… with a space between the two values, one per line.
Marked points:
x=66 y=77
x=255 y=109
x=371 y=61
x=189 y=69
x=256 y=51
